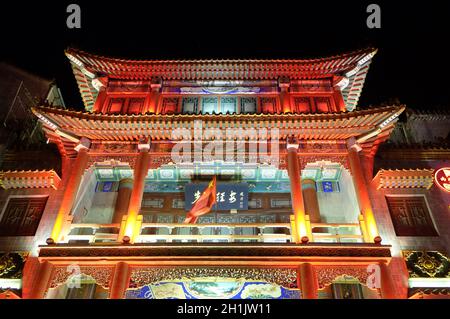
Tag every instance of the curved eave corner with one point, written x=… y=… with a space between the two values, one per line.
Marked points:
x=357 y=77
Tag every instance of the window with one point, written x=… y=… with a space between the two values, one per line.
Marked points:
x=255 y=203
x=136 y=105
x=22 y=215
x=190 y=105
x=248 y=105
x=131 y=105
x=268 y=104
x=410 y=216
x=210 y=105
x=302 y=104
x=280 y=203
x=227 y=105
x=323 y=104
x=177 y=203
x=169 y=105
x=115 y=105
x=153 y=203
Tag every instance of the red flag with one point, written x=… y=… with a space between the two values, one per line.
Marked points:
x=203 y=204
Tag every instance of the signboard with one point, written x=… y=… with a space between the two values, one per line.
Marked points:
x=229 y=196
x=442 y=179
x=327 y=187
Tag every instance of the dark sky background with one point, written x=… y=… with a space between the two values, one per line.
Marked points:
x=412 y=64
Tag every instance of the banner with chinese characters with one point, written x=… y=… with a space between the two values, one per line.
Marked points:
x=229 y=196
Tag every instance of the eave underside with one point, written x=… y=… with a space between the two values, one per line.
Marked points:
x=65 y=127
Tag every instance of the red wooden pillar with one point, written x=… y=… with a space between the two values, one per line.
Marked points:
x=123 y=200
x=339 y=101
x=154 y=97
x=42 y=281
x=285 y=97
x=371 y=231
x=30 y=273
x=70 y=192
x=308 y=281
x=296 y=193
x=387 y=285
x=140 y=172
x=311 y=201
x=100 y=100
x=120 y=281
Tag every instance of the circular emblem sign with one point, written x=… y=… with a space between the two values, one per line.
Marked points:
x=442 y=178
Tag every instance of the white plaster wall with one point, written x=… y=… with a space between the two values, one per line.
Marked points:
x=84 y=198
x=101 y=209
x=92 y=207
x=340 y=207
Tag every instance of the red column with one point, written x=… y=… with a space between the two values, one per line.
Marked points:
x=30 y=273
x=42 y=281
x=154 y=98
x=120 y=281
x=123 y=200
x=140 y=172
x=70 y=192
x=308 y=281
x=311 y=201
x=296 y=193
x=285 y=99
x=371 y=231
x=339 y=101
x=100 y=100
x=387 y=285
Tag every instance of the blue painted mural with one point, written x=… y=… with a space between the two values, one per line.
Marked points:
x=213 y=288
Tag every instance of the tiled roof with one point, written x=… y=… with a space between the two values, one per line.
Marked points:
x=354 y=65
x=29 y=179
x=404 y=178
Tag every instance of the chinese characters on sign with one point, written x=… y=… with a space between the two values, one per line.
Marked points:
x=229 y=196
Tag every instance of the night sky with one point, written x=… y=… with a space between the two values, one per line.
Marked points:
x=412 y=64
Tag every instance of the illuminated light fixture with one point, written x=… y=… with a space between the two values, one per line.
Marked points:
x=442 y=179
x=429 y=282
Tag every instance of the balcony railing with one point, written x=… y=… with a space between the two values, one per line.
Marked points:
x=93 y=233
x=244 y=232
x=337 y=233
x=248 y=232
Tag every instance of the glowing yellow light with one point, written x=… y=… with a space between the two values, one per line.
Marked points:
x=371 y=226
x=130 y=226
x=56 y=232
x=301 y=226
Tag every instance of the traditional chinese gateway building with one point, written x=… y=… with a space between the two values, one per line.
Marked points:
x=301 y=212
